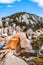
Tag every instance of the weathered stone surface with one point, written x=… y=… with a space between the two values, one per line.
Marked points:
x=13 y=60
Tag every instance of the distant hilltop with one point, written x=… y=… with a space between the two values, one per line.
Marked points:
x=25 y=19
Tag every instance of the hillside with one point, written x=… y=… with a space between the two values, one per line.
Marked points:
x=25 y=19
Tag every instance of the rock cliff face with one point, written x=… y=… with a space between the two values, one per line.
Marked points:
x=25 y=19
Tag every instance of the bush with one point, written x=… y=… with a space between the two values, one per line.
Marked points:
x=41 y=57
x=31 y=63
x=38 y=61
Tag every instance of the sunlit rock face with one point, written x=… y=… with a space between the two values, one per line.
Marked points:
x=13 y=60
x=25 y=18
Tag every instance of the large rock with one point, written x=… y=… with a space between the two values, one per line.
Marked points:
x=13 y=60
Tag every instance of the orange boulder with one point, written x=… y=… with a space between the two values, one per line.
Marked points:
x=13 y=43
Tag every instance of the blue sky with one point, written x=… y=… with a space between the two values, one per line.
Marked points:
x=9 y=7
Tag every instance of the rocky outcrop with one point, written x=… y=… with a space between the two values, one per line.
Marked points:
x=25 y=19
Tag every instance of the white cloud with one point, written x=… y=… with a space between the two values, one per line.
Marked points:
x=40 y=2
x=8 y=1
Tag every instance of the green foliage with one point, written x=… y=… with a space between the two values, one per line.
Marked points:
x=31 y=63
x=38 y=61
x=36 y=44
